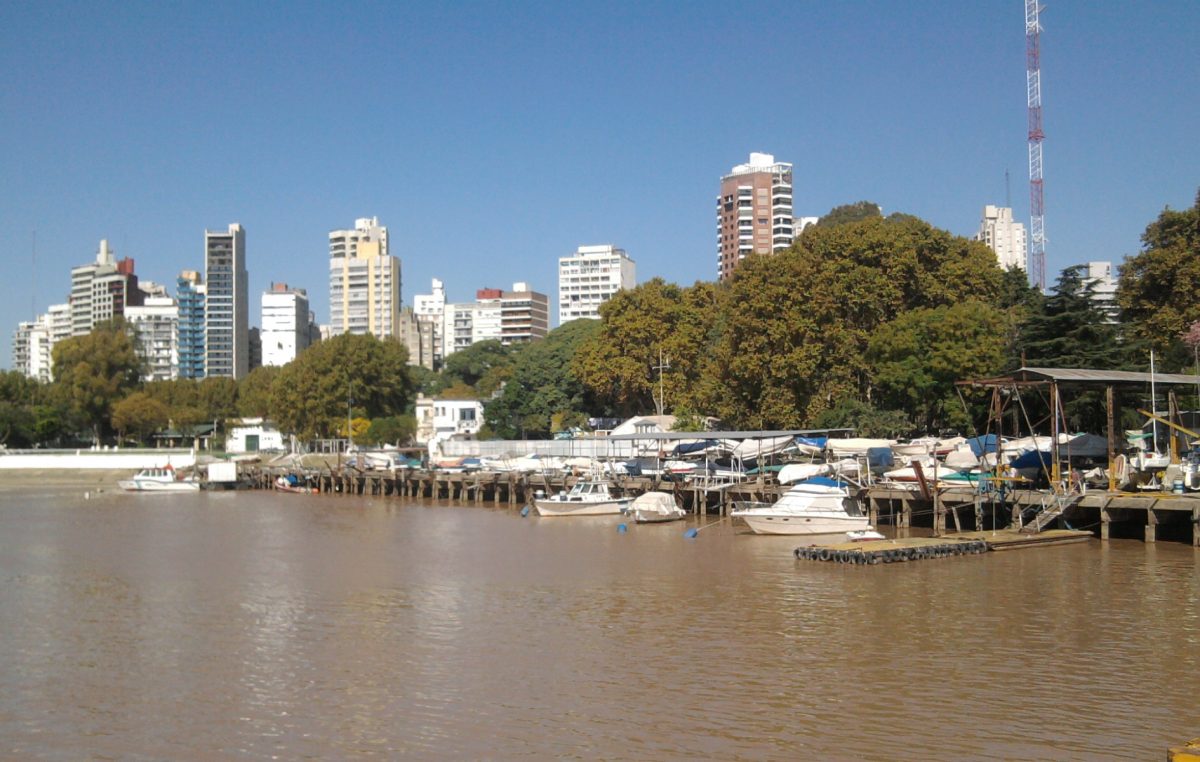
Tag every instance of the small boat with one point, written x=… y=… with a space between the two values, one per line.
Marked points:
x=655 y=507
x=819 y=506
x=863 y=535
x=291 y=483
x=586 y=498
x=158 y=480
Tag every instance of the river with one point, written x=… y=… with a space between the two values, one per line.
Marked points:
x=263 y=625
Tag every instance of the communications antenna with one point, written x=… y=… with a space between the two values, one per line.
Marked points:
x=1033 y=84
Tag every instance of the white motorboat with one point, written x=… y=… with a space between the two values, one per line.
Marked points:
x=586 y=498
x=654 y=507
x=864 y=535
x=818 y=506
x=158 y=480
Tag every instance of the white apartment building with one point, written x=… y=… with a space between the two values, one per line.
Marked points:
x=466 y=324
x=364 y=281
x=589 y=278
x=31 y=349
x=1004 y=235
x=1104 y=288
x=431 y=309
x=156 y=323
x=226 y=304
x=101 y=290
x=754 y=211
x=285 y=324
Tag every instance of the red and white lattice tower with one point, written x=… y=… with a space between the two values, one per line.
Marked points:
x=1033 y=82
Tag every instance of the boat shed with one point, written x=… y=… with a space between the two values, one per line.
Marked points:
x=1055 y=378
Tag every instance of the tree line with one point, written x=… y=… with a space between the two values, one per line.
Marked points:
x=866 y=321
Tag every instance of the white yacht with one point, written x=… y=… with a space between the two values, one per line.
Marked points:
x=158 y=480
x=586 y=498
x=818 y=506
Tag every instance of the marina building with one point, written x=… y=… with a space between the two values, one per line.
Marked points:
x=589 y=278
x=1003 y=235
x=364 y=281
x=754 y=211
x=226 y=306
x=286 y=323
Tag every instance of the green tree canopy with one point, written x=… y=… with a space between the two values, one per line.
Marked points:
x=641 y=327
x=472 y=364
x=919 y=355
x=139 y=415
x=1157 y=289
x=542 y=385
x=254 y=392
x=394 y=430
x=793 y=329
x=848 y=213
x=311 y=394
x=93 y=372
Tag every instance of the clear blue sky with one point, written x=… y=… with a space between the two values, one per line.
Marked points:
x=492 y=138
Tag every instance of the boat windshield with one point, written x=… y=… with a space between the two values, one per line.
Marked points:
x=851 y=507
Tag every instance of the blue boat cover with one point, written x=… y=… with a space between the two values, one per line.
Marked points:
x=823 y=481
x=813 y=441
x=980 y=445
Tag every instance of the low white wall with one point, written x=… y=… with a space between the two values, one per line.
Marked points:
x=132 y=459
x=563 y=448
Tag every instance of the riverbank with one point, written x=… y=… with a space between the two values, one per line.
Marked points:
x=94 y=479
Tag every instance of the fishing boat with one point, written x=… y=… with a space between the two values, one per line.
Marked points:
x=819 y=506
x=586 y=498
x=158 y=480
x=655 y=507
x=291 y=483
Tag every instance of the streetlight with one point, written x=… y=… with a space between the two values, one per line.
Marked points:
x=349 y=418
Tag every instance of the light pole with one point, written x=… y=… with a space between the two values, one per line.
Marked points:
x=349 y=418
x=660 y=401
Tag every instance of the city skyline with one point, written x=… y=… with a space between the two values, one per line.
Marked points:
x=496 y=140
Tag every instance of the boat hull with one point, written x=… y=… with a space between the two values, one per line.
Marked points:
x=653 y=517
x=804 y=525
x=551 y=507
x=136 y=485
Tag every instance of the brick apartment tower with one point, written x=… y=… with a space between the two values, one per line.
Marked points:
x=754 y=211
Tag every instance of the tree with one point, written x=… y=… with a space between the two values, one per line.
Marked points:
x=919 y=355
x=93 y=372
x=394 y=430
x=1157 y=288
x=217 y=397
x=850 y=213
x=793 y=329
x=18 y=399
x=865 y=420
x=311 y=394
x=471 y=364
x=254 y=392
x=542 y=384
x=139 y=415
x=657 y=322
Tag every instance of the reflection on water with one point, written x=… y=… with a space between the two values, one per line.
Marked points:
x=266 y=625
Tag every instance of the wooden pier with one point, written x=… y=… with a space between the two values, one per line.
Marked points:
x=1150 y=516
x=871 y=552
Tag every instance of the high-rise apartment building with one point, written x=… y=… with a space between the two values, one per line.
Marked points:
x=1103 y=286
x=364 y=281
x=31 y=349
x=226 y=304
x=156 y=326
x=431 y=309
x=417 y=336
x=589 y=278
x=101 y=290
x=1003 y=235
x=524 y=315
x=190 y=293
x=754 y=211
x=286 y=324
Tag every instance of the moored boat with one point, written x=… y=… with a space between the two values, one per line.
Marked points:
x=586 y=498
x=654 y=507
x=818 y=506
x=158 y=480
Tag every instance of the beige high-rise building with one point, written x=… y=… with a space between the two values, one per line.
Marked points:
x=1003 y=235
x=754 y=211
x=364 y=281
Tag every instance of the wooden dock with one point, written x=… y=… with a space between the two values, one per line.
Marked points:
x=953 y=509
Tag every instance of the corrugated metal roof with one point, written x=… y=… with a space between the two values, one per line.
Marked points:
x=677 y=435
x=1086 y=376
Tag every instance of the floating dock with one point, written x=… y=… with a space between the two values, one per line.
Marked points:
x=871 y=552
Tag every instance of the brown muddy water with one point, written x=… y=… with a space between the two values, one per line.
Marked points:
x=261 y=625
